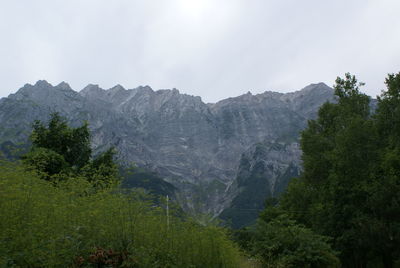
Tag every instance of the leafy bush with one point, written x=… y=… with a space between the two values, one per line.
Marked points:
x=277 y=241
x=64 y=226
x=283 y=243
x=59 y=151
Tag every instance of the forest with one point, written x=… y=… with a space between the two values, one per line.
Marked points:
x=62 y=206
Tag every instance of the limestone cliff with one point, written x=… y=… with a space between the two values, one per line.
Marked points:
x=202 y=149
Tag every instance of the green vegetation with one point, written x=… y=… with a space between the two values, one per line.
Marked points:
x=283 y=243
x=136 y=177
x=278 y=241
x=46 y=226
x=343 y=211
x=60 y=207
x=349 y=189
x=59 y=152
x=11 y=151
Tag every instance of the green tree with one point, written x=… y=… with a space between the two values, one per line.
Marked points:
x=59 y=151
x=72 y=143
x=351 y=180
x=281 y=242
x=102 y=170
x=46 y=162
x=384 y=201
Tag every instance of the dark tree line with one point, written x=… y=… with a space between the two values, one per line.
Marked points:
x=349 y=192
x=350 y=187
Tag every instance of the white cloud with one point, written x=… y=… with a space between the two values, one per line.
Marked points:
x=214 y=49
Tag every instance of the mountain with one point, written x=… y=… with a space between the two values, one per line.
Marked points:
x=264 y=172
x=213 y=154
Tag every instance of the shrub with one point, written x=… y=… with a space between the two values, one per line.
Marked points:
x=46 y=226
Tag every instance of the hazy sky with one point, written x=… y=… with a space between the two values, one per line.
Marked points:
x=211 y=48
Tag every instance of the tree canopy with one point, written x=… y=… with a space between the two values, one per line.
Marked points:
x=59 y=151
x=350 y=186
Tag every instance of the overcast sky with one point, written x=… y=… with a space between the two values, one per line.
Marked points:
x=211 y=48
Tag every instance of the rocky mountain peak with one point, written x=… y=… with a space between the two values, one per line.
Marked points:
x=64 y=86
x=117 y=87
x=94 y=92
x=43 y=84
x=90 y=89
x=307 y=100
x=44 y=92
x=197 y=147
x=146 y=89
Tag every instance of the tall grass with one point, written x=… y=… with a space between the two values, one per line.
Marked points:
x=46 y=226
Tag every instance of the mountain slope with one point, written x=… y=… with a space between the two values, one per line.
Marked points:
x=264 y=171
x=194 y=146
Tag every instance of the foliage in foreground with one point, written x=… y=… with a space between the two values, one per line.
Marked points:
x=350 y=186
x=278 y=241
x=283 y=243
x=46 y=226
x=60 y=151
x=348 y=191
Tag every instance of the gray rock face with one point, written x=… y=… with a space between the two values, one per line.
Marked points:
x=264 y=172
x=195 y=146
